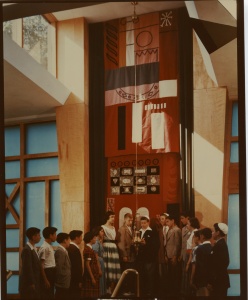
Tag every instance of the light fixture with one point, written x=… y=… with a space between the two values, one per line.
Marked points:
x=135 y=18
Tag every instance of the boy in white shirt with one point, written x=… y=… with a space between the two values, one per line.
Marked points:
x=46 y=256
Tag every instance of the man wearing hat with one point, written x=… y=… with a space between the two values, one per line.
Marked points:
x=220 y=261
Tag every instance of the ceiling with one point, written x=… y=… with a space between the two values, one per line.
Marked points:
x=94 y=11
x=114 y=10
x=98 y=12
x=19 y=100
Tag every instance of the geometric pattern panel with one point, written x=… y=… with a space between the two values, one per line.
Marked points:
x=131 y=176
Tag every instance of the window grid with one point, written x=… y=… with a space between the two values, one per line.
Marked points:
x=19 y=188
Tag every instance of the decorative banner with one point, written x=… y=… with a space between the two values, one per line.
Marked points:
x=141 y=85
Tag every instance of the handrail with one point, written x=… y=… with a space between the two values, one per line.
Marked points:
x=123 y=275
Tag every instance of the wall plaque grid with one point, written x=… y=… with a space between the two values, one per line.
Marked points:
x=135 y=180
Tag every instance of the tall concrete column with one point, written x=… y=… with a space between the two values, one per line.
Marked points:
x=73 y=123
x=72 y=128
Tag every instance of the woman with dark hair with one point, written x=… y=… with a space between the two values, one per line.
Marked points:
x=193 y=226
x=197 y=242
x=91 y=268
x=98 y=248
x=110 y=255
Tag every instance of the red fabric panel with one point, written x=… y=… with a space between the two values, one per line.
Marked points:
x=168 y=45
x=168 y=53
x=111 y=131
x=111 y=45
x=171 y=177
x=171 y=130
x=122 y=42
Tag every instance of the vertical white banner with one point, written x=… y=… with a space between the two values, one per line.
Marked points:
x=157 y=130
x=137 y=110
x=129 y=44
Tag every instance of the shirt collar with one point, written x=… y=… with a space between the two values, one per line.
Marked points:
x=31 y=246
x=72 y=243
x=219 y=239
x=206 y=242
x=45 y=242
x=144 y=230
x=89 y=245
x=62 y=247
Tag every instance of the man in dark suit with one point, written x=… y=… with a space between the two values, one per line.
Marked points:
x=203 y=264
x=147 y=257
x=30 y=274
x=75 y=256
x=220 y=261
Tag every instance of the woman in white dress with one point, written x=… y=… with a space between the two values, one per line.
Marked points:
x=110 y=255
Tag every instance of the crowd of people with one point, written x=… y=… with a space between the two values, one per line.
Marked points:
x=171 y=260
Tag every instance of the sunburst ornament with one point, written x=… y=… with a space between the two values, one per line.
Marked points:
x=166 y=19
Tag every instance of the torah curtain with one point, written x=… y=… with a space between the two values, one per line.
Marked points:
x=139 y=94
x=142 y=112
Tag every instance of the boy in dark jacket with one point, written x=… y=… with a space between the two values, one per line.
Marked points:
x=30 y=275
x=203 y=263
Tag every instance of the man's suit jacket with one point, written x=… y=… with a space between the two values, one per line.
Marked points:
x=149 y=252
x=173 y=242
x=76 y=265
x=220 y=262
x=161 y=251
x=185 y=236
x=63 y=269
x=30 y=272
x=125 y=238
x=203 y=265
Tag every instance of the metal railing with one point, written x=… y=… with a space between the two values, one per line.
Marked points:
x=123 y=275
